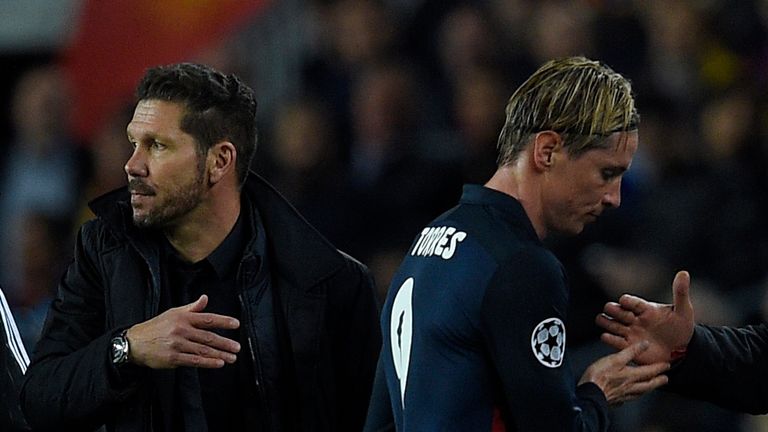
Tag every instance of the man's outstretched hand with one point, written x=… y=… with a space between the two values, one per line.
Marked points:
x=668 y=328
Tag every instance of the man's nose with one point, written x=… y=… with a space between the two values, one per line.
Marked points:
x=612 y=197
x=136 y=166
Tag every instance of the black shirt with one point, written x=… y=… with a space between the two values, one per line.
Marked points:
x=210 y=397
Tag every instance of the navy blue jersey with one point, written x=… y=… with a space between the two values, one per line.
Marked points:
x=473 y=326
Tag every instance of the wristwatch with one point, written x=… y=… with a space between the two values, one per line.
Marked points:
x=119 y=348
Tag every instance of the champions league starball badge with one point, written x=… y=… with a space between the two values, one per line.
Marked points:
x=548 y=342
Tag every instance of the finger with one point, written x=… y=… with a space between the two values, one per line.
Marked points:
x=644 y=373
x=193 y=360
x=638 y=384
x=681 y=292
x=640 y=388
x=614 y=341
x=611 y=325
x=633 y=304
x=644 y=386
x=180 y=353
x=629 y=353
x=214 y=341
x=206 y=351
x=213 y=321
x=618 y=313
x=197 y=305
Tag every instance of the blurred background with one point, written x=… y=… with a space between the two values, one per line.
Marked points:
x=373 y=113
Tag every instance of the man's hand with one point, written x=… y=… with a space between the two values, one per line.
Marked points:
x=621 y=382
x=668 y=328
x=181 y=337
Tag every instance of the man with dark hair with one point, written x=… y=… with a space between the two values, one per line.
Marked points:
x=474 y=323
x=13 y=364
x=198 y=299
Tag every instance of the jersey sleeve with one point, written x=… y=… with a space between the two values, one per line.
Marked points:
x=380 y=417
x=523 y=312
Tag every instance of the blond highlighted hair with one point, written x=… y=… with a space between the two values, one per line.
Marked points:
x=583 y=100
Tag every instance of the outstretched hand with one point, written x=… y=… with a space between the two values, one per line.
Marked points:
x=620 y=381
x=667 y=327
x=182 y=336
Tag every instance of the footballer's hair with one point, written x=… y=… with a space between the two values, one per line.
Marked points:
x=583 y=100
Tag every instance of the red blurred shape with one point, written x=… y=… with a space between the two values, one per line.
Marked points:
x=117 y=40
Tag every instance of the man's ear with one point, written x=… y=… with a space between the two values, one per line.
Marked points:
x=545 y=145
x=221 y=161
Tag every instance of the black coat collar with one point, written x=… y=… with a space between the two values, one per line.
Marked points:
x=300 y=254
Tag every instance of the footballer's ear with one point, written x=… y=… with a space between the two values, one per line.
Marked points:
x=221 y=161
x=545 y=145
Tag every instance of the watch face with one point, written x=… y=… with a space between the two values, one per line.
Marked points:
x=119 y=350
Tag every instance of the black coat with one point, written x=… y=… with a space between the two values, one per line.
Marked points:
x=13 y=363
x=326 y=323
x=726 y=366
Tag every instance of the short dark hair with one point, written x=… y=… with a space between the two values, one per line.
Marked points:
x=584 y=100
x=217 y=107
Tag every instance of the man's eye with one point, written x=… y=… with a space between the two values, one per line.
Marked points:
x=157 y=145
x=608 y=174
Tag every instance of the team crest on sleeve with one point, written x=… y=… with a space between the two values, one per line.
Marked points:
x=548 y=342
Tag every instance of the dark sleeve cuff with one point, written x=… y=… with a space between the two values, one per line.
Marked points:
x=590 y=391
x=590 y=394
x=695 y=346
x=122 y=377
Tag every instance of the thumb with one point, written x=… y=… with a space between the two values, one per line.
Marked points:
x=681 y=293
x=197 y=305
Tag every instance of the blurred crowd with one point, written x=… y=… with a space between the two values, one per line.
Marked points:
x=373 y=113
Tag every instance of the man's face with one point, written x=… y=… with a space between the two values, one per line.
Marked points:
x=579 y=189
x=166 y=176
